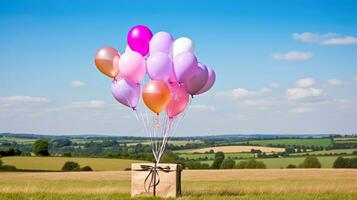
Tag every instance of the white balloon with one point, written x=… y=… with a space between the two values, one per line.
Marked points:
x=128 y=49
x=183 y=44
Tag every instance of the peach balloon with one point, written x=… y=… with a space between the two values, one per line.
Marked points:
x=104 y=61
x=156 y=95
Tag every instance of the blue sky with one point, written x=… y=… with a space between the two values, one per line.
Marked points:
x=259 y=50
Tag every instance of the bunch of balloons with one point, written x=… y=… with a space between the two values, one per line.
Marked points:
x=172 y=68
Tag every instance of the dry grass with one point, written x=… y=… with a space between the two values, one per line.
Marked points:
x=238 y=149
x=196 y=183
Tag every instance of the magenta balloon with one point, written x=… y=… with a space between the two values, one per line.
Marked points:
x=184 y=66
x=139 y=38
x=159 y=66
x=126 y=92
x=161 y=42
x=132 y=66
x=197 y=80
x=179 y=99
x=210 y=81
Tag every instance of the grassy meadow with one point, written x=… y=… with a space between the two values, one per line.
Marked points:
x=234 y=149
x=56 y=163
x=199 y=184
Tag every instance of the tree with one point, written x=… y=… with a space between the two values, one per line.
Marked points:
x=251 y=164
x=311 y=162
x=291 y=166
x=40 y=148
x=71 y=166
x=340 y=162
x=228 y=164
x=169 y=157
x=218 y=159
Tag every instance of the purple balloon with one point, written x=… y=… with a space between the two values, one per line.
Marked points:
x=161 y=42
x=184 y=66
x=210 y=81
x=126 y=92
x=198 y=79
x=139 y=38
x=159 y=66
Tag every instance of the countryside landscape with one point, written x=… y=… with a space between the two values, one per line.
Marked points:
x=186 y=100
x=252 y=166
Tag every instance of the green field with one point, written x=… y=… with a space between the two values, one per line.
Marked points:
x=295 y=184
x=56 y=163
x=333 y=151
x=324 y=142
x=210 y=156
x=275 y=163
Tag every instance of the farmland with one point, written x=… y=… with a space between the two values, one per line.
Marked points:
x=324 y=142
x=56 y=163
x=200 y=184
x=235 y=149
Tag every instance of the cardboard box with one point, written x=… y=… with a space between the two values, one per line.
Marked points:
x=164 y=181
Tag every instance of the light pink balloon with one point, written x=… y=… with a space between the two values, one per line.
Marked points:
x=132 y=66
x=210 y=81
x=179 y=99
x=159 y=66
x=161 y=42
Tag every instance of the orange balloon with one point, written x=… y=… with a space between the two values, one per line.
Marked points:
x=104 y=61
x=156 y=95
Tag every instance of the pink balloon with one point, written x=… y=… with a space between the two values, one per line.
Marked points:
x=179 y=99
x=172 y=77
x=159 y=66
x=126 y=92
x=210 y=81
x=139 y=38
x=198 y=79
x=161 y=42
x=184 y=66
x=132 y=66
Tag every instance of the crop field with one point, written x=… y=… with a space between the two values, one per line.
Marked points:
x=173 y=142
x=234 y=149
x=333 y=151
x=56 y=163
x=324 y=142
x=200 y=184
x=210 y=156
x=275 y=163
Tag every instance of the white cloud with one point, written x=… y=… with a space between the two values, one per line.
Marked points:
x=77 y=83
x=23 y=99
x=305 y=82
x=340 y=41
x=293 y=56
x=334 y=82
x=302 y=93
x=261 y=103
x=202 y=108
x=300 y=110
x=312 y=37
x=324 y=38
x=274 y=85
x=88 y=104
x=242 y=93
